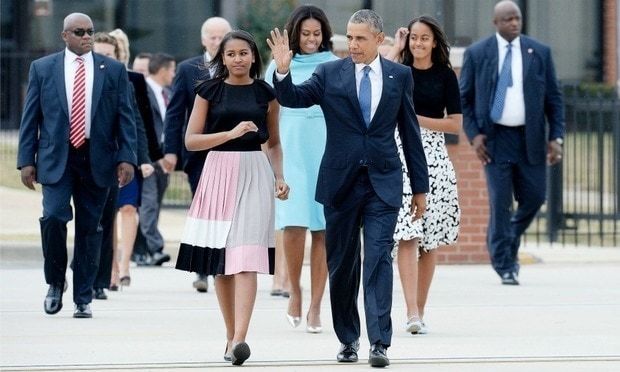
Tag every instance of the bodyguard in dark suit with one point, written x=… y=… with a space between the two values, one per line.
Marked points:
x=508 y=87
x=363 y=97
x=77 y=138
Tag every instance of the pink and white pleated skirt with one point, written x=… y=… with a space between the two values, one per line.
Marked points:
x=230 y=223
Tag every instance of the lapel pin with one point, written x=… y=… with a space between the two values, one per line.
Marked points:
x=530 y=50
x=391 y=77
x=101 y=67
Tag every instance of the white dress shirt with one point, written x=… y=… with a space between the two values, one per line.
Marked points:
x=514 y=106
x=208 y=59
x=71 y=66
x=376 y=82
x=158 y=89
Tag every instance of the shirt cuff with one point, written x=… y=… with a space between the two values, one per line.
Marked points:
x=280 y=76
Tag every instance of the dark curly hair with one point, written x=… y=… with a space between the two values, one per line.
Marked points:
x=440 y=54
x=221 y=72
x=293 y=27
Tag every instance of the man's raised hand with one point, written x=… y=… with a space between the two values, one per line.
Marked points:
x=282 y=54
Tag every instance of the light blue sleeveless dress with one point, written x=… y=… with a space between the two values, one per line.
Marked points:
x=303 y=136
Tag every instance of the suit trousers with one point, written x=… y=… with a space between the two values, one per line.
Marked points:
x=361 y=209
x=193 y=177
x=108 y=219
x=88 y=199
x=153 y=189
x=510 y=173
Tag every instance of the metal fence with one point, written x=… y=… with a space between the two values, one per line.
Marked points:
x=583 y=196
x=583 y=202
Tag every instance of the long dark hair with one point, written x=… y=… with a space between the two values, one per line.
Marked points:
x=441 y=52
x=293 y=27
x=221 y=72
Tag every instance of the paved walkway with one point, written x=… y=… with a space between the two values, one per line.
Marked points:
x=562 y=318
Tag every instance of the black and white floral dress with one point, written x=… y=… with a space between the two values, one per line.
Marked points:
x=435 y=93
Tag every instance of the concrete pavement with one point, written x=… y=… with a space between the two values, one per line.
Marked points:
x=562 y=318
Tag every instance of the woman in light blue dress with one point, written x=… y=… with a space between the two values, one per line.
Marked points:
x=303 y=135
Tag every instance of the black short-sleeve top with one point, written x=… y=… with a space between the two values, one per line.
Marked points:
x=231 y=104
x=434 y=90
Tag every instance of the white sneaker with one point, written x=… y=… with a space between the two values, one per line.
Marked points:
x=414 y=325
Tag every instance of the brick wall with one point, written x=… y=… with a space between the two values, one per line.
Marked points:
x=472 y=187
x=473 y=199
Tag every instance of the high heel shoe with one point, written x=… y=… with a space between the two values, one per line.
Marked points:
x=414 y=325
x=114 y=282
x=125 y=281
x=294 y=321
x=240 y=353
x=227 y=354
x=313 y=329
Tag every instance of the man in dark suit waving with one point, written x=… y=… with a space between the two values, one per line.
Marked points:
x=363 y=97
x=77 y=138
x=508 y=86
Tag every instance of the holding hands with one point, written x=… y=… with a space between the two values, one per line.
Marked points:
x=282 y=54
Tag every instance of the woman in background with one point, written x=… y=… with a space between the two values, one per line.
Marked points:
x=129 y=196
x=310 y=35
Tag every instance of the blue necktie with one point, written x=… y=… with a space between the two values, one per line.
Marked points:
x=504 y=81
x=364 y=96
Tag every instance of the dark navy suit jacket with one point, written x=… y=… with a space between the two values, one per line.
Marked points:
x=189 y=73
x=349 y=143
x=44 y=130
x=540 y=90
x=146 y=115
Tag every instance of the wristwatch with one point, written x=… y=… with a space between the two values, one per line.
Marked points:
x=559 y=140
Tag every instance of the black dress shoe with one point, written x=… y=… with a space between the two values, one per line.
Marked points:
x=158 y=258
x=99 y=294
x=378 y=356
x=82 y=311
x=141 y=260
x=53 y=300
x=348 y=352
x=510 y=278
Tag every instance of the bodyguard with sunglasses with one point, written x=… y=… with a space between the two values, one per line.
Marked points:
x=77 y=138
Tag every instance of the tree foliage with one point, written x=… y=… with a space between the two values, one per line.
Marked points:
x=259 y=17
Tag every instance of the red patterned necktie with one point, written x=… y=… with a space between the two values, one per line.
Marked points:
x=77 y=132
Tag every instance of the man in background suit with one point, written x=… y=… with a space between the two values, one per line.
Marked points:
x=508 y=86
x=363 y=97
x=189 y=73
x=161 y=73
x=77 y=138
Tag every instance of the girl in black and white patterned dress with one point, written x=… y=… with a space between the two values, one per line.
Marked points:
x=423 y=47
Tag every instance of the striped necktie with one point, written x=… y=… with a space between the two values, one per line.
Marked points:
x=77 y=131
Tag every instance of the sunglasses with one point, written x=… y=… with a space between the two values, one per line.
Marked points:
x=79 y=32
